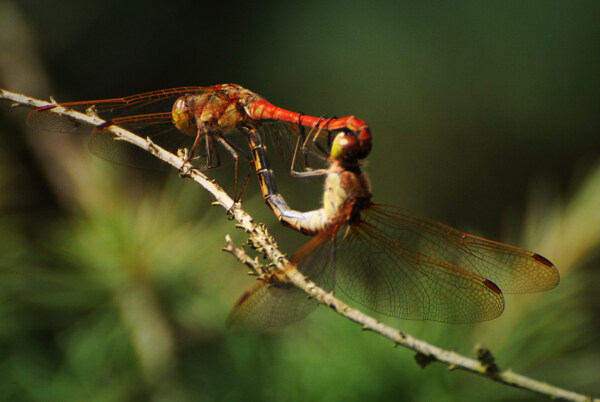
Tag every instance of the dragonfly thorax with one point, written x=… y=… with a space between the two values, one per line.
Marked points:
x=220 y=110
x=347 y=192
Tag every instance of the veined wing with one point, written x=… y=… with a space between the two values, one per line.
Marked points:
x=272 y=302
x=149 y=116
x=372 y=268
x=513 y=269
x=405 y=265
x=275 y=302
x=136 y=106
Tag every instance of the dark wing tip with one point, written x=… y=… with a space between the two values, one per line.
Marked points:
x=492 y=286
x=543 y=260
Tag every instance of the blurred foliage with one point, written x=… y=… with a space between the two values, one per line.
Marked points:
x=112 y=285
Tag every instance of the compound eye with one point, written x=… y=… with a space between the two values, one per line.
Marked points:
x=345 y=147
x=182 y=118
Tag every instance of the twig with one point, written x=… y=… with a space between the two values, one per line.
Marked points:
x=264 y=243
x=256 y=269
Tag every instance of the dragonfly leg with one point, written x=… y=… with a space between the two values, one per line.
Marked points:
x=317 y=133
x=308 y=171
x=311 y=145
x=213 y=159
x=235 y=152
x=212 y=155
x=307 y=147
x=196 y=144
x=301 y=138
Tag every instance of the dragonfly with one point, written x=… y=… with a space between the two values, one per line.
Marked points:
x=186 y=117
x=387 y=258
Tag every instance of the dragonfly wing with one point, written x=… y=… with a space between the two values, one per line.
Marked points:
x=48 y=121
x=513 y=269
x=375 y=267
x=274 y=301
x=284 y=137
x=104 y=145
x=157 y=127
x=144 y=103
x=269 y=303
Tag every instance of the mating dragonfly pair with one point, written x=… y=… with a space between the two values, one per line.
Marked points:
x=387 y=258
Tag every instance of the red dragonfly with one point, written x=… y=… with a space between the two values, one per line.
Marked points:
x=185 y=117
x=387 y=258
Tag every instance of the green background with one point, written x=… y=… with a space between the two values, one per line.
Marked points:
x=485 y=116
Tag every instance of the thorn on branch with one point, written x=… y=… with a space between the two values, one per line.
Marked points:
x=367 y=328
x=269 y=268
x=487 y=360
x=185 y=170
x=151 y=146
x=423 y=360
x=93 y=112
x=256 y=269
x=254 y=244
x=183 y=153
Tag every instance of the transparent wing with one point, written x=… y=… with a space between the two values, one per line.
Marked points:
x=139 y=105
x=405 y=265
x=379 y=273
x=513 y=269
x=103 y=145
x=274 y=302
x=269 y=303
x=147 y=115
x=285 y=137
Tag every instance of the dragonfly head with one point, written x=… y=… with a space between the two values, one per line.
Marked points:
x=347 y=148
x=182 y=118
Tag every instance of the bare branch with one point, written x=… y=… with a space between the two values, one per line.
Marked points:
x=485 y=365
